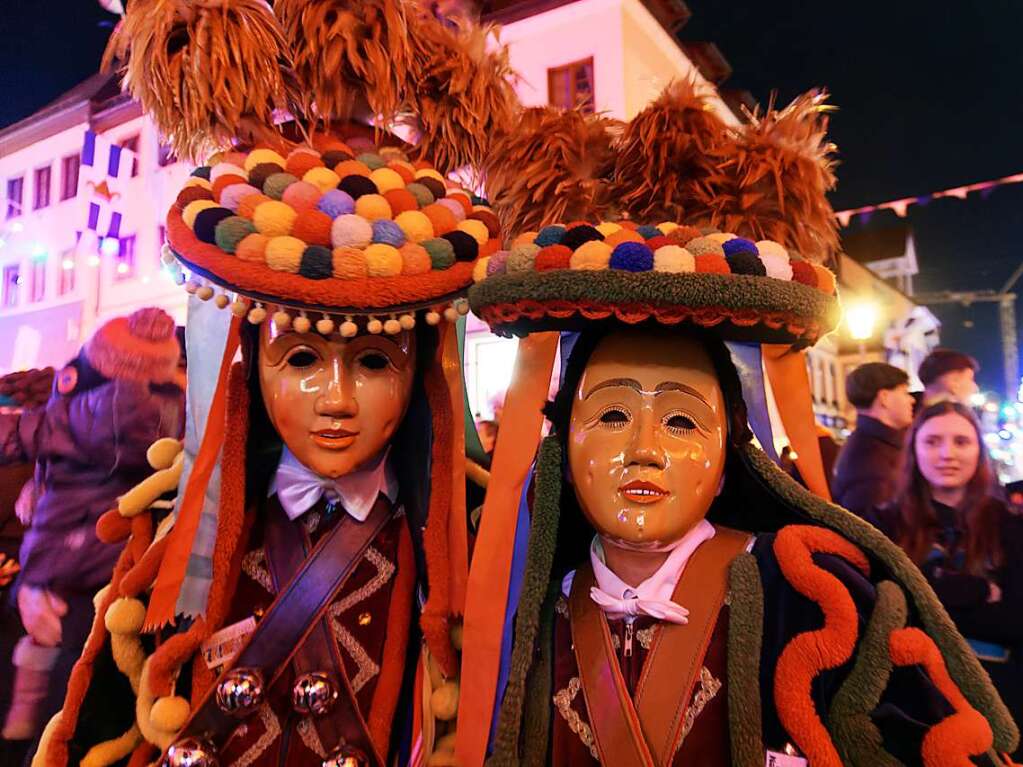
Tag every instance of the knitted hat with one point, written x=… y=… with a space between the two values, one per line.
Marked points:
x=140 y=347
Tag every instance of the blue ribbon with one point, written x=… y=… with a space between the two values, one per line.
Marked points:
x=750 y=367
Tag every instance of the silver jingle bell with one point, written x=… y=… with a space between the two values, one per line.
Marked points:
x=240 y=691
x=314 y=693
x=191 y=752
x=346 y=756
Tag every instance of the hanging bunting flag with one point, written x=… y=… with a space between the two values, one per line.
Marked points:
x=104 y=169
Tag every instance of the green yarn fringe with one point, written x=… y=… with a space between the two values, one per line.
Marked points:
x=745 y=631
x=537 y=727
x=855 y=735
x=960 y=660
x=543 y=536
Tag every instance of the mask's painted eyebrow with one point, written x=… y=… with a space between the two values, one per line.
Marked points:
x=631 y=383
x=676 y=386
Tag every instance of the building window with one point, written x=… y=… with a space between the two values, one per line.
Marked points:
x=15 y=188
x=12 y=281
x=165 y=156
x=38 y=286
x=70 y=166
x=571 y=86
x=42 y=188
x=67 y=271
x=126 y=258
x=132 y=145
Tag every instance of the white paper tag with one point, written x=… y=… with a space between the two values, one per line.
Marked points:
x=775 y=759
x=223 y=646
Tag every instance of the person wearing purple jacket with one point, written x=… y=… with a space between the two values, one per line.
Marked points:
x=119 y=395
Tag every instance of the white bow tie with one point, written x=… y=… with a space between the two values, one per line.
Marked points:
x=661 y=609
x=298 y=489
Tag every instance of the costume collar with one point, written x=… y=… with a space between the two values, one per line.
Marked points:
x=299 y=489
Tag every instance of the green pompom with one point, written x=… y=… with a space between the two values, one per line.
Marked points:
x=231 y=231
x=372 y=160
x=442 y=253
x=422 y=194
x=276 y=183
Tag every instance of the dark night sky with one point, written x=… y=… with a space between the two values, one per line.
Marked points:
x=930 y=96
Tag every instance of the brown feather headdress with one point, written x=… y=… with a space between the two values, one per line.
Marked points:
x=554 y=166
x=773 y=175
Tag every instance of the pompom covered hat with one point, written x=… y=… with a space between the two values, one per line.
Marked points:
x=672 y=220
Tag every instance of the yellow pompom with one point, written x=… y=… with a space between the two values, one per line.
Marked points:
x=373 y=207
x=593 y=255
x=301 y=324
x=475 y=229
x=193 y=209
x=444 y=701
x=772 y=248
x=382 y=260
x=257 y=156
x=274 y=218
x=125 y=616
x=607 y=228
x=416 y=225
x=322 y=178
x=825 y=279
x=667 y=227
x=429 y=173
x=161 y=453
x=526 y=238
x=199 y=182
x=284 y=253
x=386 y=180
x=674 y=259
x=169 y=714
x=721 y=237
x=479 y=271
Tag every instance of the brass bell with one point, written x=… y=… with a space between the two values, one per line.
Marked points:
x=346 y=756
x=314 y=693
x=191 y=752
x=240 y=691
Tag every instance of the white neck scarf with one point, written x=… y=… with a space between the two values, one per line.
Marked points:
x=299 y=489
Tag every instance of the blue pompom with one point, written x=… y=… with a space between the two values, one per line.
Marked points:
x=203 y=171
x=388 y=232
x=738 y=245
x=336 y=203
x=647 y=231
x=549 y=235
x=632 y=257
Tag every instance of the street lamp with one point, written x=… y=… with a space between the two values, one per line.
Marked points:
x=860 y=319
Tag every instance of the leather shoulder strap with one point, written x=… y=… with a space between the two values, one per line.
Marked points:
x=616 y=729
x=295 y=613
x=673 y=664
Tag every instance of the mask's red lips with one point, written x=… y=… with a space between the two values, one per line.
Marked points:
x=334 y=439
x=642 y=491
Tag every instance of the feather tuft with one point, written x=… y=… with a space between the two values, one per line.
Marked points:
x=462 y=93
x=665 y=155
x=206 y=71
x=552 y=167
x=773 y=178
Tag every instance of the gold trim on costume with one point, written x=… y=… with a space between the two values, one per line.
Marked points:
x=563 y=700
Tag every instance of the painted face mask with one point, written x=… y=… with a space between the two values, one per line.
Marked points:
x=336 y=402
x=646 y=447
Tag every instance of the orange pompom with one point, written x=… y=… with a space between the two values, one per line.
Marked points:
x=352 y=168
x=553 y=257
x=313 y=227
x=414 y=259
x=349 y=263
x=252 y=247
x=710 y=263
x=623 y=235
x=403 y=169
x=462 y=199
x=248 y=204
x=301 y=163
x=443 y=220
x=825 y=279
x=401 y=200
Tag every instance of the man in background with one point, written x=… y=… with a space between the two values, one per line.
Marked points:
x=948 y=374
x=868 y=466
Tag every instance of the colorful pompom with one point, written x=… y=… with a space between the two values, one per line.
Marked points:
x=301 y=196
x=323 y=179
x=549 y=235
x=592 y=254
x=231 y=231
x=415 y=224
x=260 y=156
x=667 y=227
x=803 y=271
x=300 y=163
x=205 y=225
x=739 y=245
x=227 y=169
x=647 y=231
x=632 y=257
x=497 y=263
x=253 y=247
x=489 y=219
x=371 y=160
x=386 y=180
x=275 y=185
x=442 y=219
x=313 y=227
x=199 y=182
x=745 y=262
x=466 y=248
x=352 y=168
x=414 y=259
x=480 y=270
x=225 y=181
x=475 y=229
x=316 y=263
x=428 y=173
x=372 y=207
x=248 y=204
x=263 y=171
x=232 y=196
x=423 y=195
x=456 y=210
x=682 y=235
x=659 y=242
x=711 y=263
x=705 y=246
x=522 y=258
x=351 y=230
x=401 y=200
x=403 y=169
x=194 y=208
x=191 y=194
x=336 y=203
x=442 y=252
x=284 y=254
x=577 y=235
x=348 y=263
x=357 y=186
x=825 y=279
x=552 y=257
x=388 y=232
x=673 y=259
x=720 y=237
x=273 y=218
x=462 y=198
x=607 y=228
x=623 y=235
x=383 y=260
